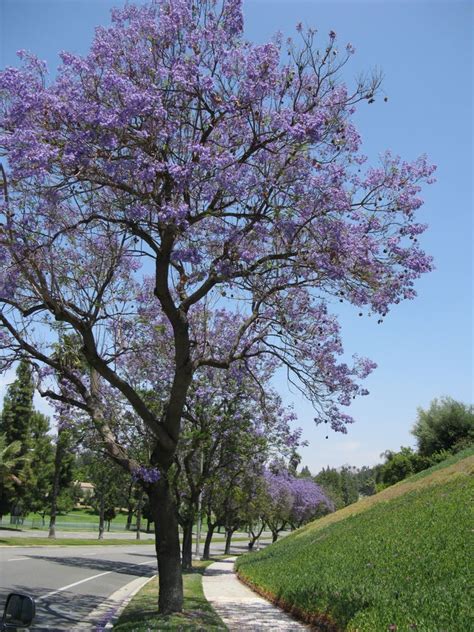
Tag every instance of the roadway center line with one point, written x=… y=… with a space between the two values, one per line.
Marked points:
x=88 y=579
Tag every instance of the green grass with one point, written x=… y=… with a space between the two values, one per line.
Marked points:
x=141 y=613
x=72 y=520
x=396 y=561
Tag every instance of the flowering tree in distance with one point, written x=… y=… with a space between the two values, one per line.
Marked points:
x=290 y=501
x=220 y=180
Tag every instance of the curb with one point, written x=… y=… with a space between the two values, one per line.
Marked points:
x=109 y=612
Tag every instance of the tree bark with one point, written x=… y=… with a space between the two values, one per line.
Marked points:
x=139 y=514
x=187 y=545
x=129 y=519
x=101 y=518
x=274 y=536
x=207 y=544
x=228 y=540
x=163 y=508
x=254 y=535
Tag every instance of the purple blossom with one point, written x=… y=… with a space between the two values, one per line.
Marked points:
x=146 y=474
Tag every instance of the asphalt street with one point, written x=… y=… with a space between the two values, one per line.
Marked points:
x=72 y=585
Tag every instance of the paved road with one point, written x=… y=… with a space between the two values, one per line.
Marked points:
x=69 y=583
x=72 y=584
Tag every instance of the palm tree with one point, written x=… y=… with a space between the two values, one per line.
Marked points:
x=9 y=460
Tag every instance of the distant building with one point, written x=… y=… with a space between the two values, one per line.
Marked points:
x=86 y=491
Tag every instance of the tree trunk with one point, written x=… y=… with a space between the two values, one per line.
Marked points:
x=228 y=539
x=254 y=535
x=207 y=544
x=58 y=457
x=139 y=514
x=187 y=546
x=129 y=519
x=274 y=536
x=101 y=518
x=163 y=508
x=148 y=525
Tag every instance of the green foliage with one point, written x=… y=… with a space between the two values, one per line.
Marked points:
x=366 y=478
x=9 y=459
x=395 y=564
x=18 y=407
x=110 y=482
x=399 y=465
x=341 y=485
x=446 y=425
x=41 y=459
x=305 y=473
x=15 y=424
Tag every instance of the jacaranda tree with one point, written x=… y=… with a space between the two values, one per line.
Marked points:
x=227 y=173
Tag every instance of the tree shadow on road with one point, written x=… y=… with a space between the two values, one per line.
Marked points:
x=62 y=611
x=125 y=568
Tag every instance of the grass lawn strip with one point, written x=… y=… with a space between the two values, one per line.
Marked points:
x=141 y=613
x=398 y=561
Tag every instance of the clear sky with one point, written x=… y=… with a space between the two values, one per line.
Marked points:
x=424 y=349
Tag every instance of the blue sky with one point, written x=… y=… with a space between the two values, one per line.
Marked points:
x=424 y=348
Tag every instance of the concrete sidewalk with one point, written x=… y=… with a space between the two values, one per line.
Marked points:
x=238 y=606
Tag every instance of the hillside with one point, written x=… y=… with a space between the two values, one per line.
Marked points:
x=398 y=560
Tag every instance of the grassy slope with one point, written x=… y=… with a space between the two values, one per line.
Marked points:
x=395 y=561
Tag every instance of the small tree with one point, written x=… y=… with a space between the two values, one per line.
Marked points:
x=446 y=425
x=109 y=482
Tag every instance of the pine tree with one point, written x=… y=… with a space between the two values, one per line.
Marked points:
x=41 y=461
x=15 y=424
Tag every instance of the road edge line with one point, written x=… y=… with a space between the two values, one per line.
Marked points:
x=123 y=596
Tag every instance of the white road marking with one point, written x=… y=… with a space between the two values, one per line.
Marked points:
x=17 y=559
x=82 y=581
x=88 y=579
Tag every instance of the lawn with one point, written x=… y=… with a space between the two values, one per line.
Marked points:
x=141 y=613
x=396 y=561
x=74 y=519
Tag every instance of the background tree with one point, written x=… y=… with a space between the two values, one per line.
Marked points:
x=10 y=461
x=366 y=480
x=231 y=420
x=109 y=482
x=62 y=494
x=235 y=175
x=291 y=501
x=37 y=489
x=446 y=425
x=309 y=502
x=15 y=425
